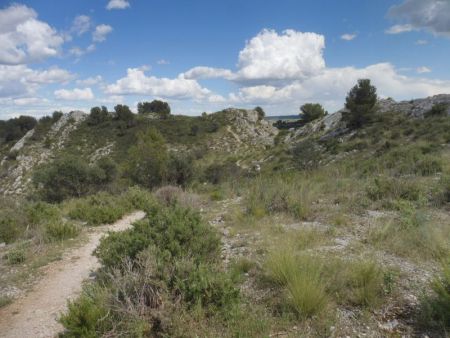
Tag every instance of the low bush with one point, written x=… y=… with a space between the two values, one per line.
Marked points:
x=177 y=232
x=59 y=231
x=389 y=189
x=16 y=256
x=436 y=305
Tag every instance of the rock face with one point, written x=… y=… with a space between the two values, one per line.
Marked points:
x=249 y=128
x=415 y=108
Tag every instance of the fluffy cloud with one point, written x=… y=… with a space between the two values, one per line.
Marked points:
x=271 y=56
x=16 y=81
x=331 y=85
x=74 y=94
x=23 y=38
x=100 y=32
x=137 y=83
x=117 y=4
x=348 y=37
x=431 y=15
x=81 y=24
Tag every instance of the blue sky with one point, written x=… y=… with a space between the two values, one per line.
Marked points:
x=208 y=55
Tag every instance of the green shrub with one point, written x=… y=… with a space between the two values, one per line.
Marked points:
x=88 y=316
x=59 y=231
x=389 y=188
x=101 y=208
x=436 y=306
x=203 y=285
x=5 y=300
x=438 y=109
x=41 y=212
x=10 y=227
x=177 y=232
x=307 y=155
x=16 y=256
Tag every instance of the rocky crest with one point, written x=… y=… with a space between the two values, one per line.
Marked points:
x=415 y=108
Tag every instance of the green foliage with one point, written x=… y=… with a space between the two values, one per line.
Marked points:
x=156 y=106
x=412 y=234
x=301 y=277
x=360 y=103
x=124 y=114
x=86 y=316
x=70 y=176
x=15 y=128
x=60 y=230
x=312 y=111
x=39 y=212
x=436 y=306
x=148 y=159
x=16 y=256
x=98 y=116
x=104 y=208
x=307 y=155
x=261 y=113
x=219 y=172
x=388 y=189
x=204 y=286
x=177 y=232
x=438 y=109
x=180 y=169
x=278 y=194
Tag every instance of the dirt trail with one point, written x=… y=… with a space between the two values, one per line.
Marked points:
x=36 y=313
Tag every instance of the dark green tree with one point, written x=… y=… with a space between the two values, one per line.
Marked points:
x=312 y=111
x=148 y=159
x=124 y=114
x=360 y=103
x=261 y=112
x=98 y=115
x=158 y=107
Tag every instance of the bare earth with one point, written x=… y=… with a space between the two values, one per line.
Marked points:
x=35 y=315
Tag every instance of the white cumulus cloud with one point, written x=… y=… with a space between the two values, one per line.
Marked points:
x=100 y=32
x=271 y=56
x=117 y=4
x=136 y=82
x=74 y=94
x=24 y=38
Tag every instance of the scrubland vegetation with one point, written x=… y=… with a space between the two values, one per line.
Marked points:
x=332 y=236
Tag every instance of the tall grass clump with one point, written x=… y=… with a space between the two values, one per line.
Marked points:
x=60 y=230
x=436 y=305
x=289 y=194
x=301 y=279
x=412 y=234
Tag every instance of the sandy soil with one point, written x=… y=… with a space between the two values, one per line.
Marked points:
x=35 y=315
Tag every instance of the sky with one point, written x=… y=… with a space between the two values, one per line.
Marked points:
x=207 y=55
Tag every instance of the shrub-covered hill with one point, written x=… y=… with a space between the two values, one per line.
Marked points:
x=216 y=138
